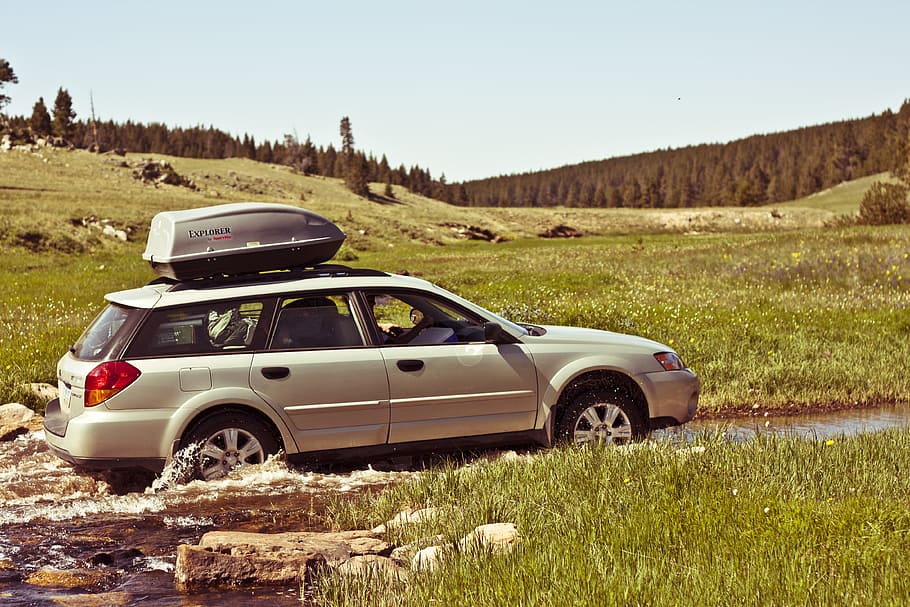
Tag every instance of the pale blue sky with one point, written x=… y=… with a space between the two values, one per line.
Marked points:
x=470 y=89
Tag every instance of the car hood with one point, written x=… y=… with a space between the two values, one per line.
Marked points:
x=576 y=335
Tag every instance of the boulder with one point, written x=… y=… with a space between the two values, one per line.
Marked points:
x=369 y=565
x=408 y=517
x=15 y=419
x=45 y=392
x=228 y=558
x=430 y=558
x=498 y=538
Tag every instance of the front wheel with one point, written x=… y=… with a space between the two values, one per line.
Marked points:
x=597 y=418
x=227 y=441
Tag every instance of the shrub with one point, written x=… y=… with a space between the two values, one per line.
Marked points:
x=885 y=204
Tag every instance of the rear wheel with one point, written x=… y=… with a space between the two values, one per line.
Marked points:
x=600 y=418
x=228 y=441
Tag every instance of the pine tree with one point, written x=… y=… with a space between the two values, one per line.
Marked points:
x=63 y=115
x=40 y=122
x=356 y=167
x=7 y=76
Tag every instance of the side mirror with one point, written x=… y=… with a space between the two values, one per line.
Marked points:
x=492 y=332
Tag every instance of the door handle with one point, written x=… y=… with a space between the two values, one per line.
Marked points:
x=275 y=372
x=410 y=365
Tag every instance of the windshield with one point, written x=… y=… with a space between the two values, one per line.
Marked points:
x=110 y=328
x=506 y=324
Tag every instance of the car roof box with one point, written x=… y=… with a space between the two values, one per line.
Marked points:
x=239 y=238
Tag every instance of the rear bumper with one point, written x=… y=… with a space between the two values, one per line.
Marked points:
x=153 y=464
x=100 y=438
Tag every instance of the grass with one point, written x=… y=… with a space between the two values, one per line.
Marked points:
x=780 y=319
x=842 y=199
x=773 y=521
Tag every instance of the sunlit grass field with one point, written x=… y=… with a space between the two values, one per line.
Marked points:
x=781 y=319
x=774 y=521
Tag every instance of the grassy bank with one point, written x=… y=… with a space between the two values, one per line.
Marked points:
x=774 y=521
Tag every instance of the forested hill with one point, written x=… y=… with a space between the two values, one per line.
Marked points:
x=756 y=170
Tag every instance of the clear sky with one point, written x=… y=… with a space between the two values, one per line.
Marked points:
x=472 y=88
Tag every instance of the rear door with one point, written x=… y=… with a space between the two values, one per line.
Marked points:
x=319 y=374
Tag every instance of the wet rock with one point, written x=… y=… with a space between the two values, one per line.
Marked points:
x=104 y=599
x=8 y=572
x=14 y=420
x=69 y=578
x=121 y=559
x=227 y=558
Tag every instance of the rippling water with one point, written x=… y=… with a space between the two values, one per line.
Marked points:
x=67 y=537
x=120 y=531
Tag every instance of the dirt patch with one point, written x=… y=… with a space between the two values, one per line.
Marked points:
x=561 y=231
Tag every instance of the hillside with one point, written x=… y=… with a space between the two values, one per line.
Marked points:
x=47 y=194
x=761 y=169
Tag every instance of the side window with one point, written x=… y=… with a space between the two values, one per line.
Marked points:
x=323 y=321
x=407 y=318
x=199 y=329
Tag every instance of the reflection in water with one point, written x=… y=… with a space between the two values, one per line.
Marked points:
x=121 y=530
x=820 y=425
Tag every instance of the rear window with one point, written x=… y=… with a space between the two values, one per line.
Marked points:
x=109 y=330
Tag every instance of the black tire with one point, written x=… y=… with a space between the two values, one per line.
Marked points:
x=600 y=417
x=226 y=441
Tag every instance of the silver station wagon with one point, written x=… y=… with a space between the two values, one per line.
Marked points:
x=327 y=360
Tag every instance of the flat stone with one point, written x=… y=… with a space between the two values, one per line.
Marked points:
x=104 y=599
x=233 y=558
x=68 y=578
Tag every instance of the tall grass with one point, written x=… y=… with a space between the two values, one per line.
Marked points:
x=769 y=321
x=774 y=521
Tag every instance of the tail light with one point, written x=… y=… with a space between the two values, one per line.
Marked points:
x=107 y=379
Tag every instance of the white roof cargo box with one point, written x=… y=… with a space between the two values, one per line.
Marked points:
x=239 y=238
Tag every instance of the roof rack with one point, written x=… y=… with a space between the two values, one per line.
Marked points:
x=318 y=271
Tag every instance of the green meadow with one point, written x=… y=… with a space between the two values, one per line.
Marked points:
x=771 y=308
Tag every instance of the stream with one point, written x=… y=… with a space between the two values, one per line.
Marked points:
x=85 y=539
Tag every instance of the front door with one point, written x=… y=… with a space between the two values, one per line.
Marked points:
x=444 y=380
